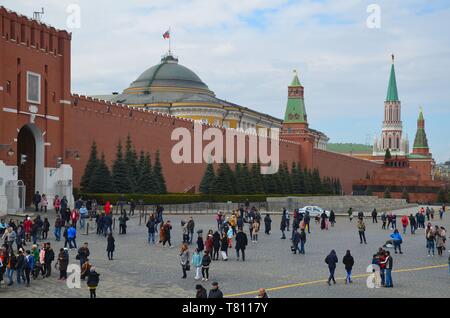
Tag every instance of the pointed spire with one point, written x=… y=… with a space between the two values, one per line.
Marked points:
x=295 y=109
x=392 y=94
x=421 y=141
x=295 y=80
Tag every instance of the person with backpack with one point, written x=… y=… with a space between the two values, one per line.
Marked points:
x=29 y=266
x=93 y=281
x=348 y=262
x=331 y=260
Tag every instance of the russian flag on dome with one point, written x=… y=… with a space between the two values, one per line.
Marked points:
x=166 y=35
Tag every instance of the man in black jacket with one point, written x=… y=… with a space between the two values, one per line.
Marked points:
x=241 y=243
x=331 y=260
x=48 y=259
x=215 y=292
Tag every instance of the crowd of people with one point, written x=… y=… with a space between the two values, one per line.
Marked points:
x=27 y=255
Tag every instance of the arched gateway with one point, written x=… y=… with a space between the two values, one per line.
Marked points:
x=30 y=160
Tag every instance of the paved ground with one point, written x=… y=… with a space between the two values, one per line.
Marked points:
x=140 y=270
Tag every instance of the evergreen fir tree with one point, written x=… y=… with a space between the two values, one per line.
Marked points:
x=442 y=196
x=89 y=169
x=316 y=182
x=101 y=180
x=308 y=181
x=301 y=180
x=208 y=179
x=222 y=182
x=247 y=180
x=146 y=182
x=131 y=162
x=122 y=183
x=295 y=179
x=239 y=188
x=158 y=176
x=257 y=179
x=285 y=178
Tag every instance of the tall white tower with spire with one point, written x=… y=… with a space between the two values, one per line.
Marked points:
x=392 y=129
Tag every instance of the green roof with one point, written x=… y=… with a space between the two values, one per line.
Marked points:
x=295 y=109
x=421 y=141
x=295 y=80
x=349 y=148
x=392 y=94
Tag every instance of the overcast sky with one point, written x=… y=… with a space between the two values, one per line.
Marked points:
x=245 y=51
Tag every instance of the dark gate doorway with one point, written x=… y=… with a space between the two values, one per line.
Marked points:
x=26 y=145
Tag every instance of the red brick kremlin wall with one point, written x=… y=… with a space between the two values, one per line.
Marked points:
x=71 y=122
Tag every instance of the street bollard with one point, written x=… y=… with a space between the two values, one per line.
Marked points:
x=114 y=224
x=140 y=218
x=145 y=217
x=87 y=228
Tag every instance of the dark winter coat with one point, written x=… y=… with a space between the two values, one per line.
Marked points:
x=331 y=260
x=111 y=244
x=201 y=293
x=241 y=241
x=215 y=293
x=93 y=279
x=348 y=261
x=216 y=241
x=200 y=244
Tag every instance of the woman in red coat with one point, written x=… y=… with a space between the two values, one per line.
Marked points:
x=209 y=244
x=107 y=208
x=405 y=222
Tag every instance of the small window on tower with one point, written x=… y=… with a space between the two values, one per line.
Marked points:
x=33 y=88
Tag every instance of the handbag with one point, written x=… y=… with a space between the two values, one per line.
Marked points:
x=187 y=267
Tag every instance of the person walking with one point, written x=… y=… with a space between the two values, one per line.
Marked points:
x=348 y=262
x=197 y=263
x=383 y=220
x=215 y=292
x=412 y=224
x=405 y=221
x=362 y=231
x=167 y=228
x=72 y=236
x=83 y=253
x=331 y=260
x=190 y=228
x=111 y=246
x=267 y=224
x=332 y=218
x=58 y=227
x=206 y=261
x=241 y=244
x=307 y=221
x=302 y=241
x=29 y=266
x=184 y=259
x=93 y=281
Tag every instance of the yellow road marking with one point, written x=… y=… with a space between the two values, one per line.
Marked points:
x=325 y=280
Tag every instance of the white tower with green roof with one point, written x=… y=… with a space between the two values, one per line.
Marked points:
x=392 y=129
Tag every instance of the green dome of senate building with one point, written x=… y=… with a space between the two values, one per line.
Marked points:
x=167 y=76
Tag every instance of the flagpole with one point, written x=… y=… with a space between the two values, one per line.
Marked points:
x=170 y=39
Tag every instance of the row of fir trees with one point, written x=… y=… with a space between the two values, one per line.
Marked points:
x=130 y=173
x=247 y=179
